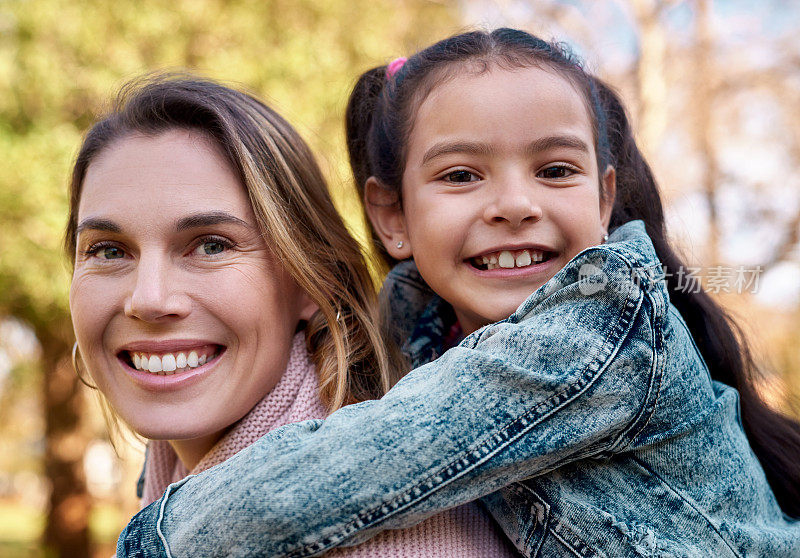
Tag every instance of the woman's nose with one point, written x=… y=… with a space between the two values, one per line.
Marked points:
x=157 y=293
x=513 y=201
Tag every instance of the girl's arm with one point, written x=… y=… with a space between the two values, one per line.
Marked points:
x=572 y=374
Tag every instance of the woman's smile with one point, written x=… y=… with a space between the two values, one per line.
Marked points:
x=172 y=362
x=183 y=316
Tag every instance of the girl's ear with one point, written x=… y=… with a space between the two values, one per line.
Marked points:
x=609 y=185
x=386 y=215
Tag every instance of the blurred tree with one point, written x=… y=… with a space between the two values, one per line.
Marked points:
x=60 y=61
x=650 y=70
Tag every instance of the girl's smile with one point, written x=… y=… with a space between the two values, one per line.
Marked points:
x=500 y=189
x=507 y=263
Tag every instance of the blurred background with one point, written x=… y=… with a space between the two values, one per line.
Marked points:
x=713 y=88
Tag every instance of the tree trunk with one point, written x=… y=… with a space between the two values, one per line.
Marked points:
x=703 y=100
x=651 y=75
x=67 y=529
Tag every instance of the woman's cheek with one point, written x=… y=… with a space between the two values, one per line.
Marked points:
x=92 y=307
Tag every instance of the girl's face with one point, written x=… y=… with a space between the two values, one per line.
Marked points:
x=500 y=190
x=183 y=316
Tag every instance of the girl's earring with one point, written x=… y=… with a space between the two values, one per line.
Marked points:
x=605 y=238
x=399 y=244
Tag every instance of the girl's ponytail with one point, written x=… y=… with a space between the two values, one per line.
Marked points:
x=358 y=120
x=775 y=438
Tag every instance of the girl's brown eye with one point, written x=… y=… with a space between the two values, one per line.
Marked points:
x=460 y=176
x=557 y=171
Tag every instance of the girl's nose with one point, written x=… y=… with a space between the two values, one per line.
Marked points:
x=157 y=293
x=514 y=202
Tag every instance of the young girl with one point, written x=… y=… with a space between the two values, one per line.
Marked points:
x=591 y=403
x=210 y=303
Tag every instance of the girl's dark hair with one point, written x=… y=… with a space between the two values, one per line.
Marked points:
x=379 y=117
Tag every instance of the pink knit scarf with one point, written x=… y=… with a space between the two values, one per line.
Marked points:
x=463 y=532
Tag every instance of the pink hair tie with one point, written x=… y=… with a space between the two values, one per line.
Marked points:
x=394 y=66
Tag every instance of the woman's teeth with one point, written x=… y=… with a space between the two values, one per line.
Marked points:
x=509 y=259
x=167 y=364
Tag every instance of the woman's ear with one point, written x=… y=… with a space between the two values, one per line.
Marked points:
x=386 y=215
x=307 y=307
x=609 y=185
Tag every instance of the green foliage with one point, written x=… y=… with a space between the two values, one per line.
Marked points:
x=61 y=62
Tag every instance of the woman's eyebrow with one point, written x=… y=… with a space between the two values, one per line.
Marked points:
x=98 y=224
x=190 y=222
x=210 y=218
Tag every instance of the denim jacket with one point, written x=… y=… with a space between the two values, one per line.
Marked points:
x=586 y=421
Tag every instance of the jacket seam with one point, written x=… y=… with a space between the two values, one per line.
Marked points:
x=566 y=544
x=656 y=371
x=501 y=437
x=656 y=377
x=558 y=528
x=520 y=488
x=689 y=502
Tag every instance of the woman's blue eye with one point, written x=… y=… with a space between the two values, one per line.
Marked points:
x=211 y=247
x=460 y=176
x=557 y=171
x=111 y=253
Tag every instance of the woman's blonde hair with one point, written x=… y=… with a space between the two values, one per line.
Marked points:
x=355 y=360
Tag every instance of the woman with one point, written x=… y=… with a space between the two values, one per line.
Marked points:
x=216 y=292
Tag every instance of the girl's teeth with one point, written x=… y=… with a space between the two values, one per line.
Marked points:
x=192 y=360
x=180 y=362
x=506 y=259
x=137 y=362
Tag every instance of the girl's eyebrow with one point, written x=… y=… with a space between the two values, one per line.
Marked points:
x=480 y=148
x=467 y=147
x=551 y=142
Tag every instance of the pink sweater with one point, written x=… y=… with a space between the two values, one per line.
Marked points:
x=462 y=532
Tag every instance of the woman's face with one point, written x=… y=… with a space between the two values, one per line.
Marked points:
x=183 y=315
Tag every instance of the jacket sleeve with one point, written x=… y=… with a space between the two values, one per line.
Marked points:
x=571 y=375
